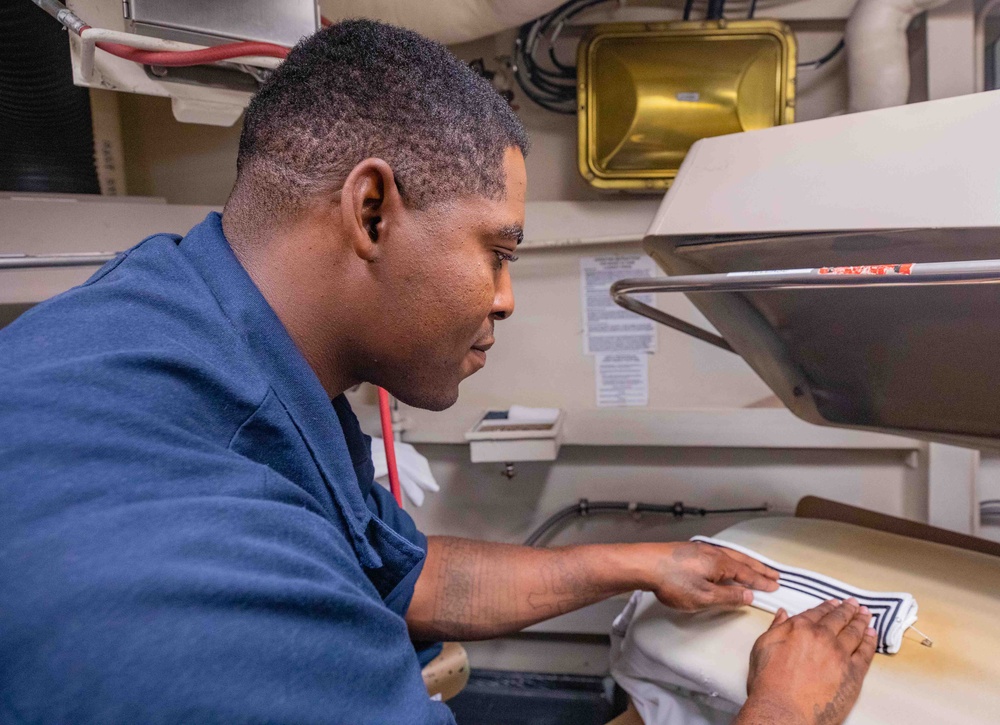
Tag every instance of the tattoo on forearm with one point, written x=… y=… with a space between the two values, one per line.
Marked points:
x=471 y=593
x=484 y=589
x=840 y=704
x=565 y=586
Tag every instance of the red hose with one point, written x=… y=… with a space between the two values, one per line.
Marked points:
x=390 y=445
x=175 y=58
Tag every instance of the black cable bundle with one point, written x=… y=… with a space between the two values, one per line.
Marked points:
x=553 y=85
x=822 y=61
x=716 y=9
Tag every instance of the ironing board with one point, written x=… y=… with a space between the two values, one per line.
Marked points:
x=955 y=681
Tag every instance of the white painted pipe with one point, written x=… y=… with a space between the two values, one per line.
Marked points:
x=457 y=21
x=878 y=62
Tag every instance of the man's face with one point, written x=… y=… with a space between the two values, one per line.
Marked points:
x=446 y=281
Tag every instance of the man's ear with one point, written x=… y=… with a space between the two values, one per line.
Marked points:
x=368 y=202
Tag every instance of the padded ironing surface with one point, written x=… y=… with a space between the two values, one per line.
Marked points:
x=958 y=592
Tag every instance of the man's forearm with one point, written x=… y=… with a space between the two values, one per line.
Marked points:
x=476 y=590
x=758 y=711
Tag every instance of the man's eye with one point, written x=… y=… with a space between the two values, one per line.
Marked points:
x=505 y=257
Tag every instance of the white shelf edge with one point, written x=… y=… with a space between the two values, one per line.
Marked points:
x=767 y=428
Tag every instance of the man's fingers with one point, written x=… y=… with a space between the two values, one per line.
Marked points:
x=852 y=634
x=817 y=613
x=749 y=577
x=780 y=618
x=745 y=571
x=729 y=597
x=866 y=650
x=749 y=561
x=836 y=619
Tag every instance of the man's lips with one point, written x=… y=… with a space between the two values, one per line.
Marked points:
x=478 y=351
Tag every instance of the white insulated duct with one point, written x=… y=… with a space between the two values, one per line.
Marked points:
x=878 y=63
x=448 y=22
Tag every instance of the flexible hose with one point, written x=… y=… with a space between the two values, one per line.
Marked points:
x=390 y=445
x=45 y=122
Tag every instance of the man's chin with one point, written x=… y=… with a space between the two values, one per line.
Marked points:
x=435 y=400
x=440 y=404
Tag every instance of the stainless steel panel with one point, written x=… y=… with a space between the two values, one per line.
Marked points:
x=210 y=22
x=921 y=361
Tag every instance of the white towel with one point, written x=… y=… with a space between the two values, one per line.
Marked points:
x=524 y=414
x=801 y=589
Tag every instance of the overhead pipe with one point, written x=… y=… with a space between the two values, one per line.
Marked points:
x=878 y=61
x=446 y=22
x=460 y=21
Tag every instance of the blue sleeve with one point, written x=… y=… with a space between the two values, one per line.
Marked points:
x=384 y=506
x=241 y=607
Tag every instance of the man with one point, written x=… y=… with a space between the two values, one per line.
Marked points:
x=189 y=531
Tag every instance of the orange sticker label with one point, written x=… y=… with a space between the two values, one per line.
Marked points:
x=878 y=269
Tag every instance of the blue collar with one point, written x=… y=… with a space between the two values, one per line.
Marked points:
x=288 y=373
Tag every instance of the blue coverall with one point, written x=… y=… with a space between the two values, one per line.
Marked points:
x=189 y=530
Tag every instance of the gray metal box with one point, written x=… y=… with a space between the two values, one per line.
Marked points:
x=211 y=22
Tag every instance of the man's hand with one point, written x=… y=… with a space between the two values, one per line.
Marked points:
x=808 y=669
x=690 y=576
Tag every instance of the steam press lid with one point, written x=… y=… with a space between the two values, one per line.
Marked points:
x=918 y=183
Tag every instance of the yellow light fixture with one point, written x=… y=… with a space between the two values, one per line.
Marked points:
x=647 y=92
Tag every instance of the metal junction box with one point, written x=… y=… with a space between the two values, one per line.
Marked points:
x=647 y=92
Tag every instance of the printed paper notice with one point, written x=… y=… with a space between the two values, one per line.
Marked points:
x=622 y=379
x=606 y=326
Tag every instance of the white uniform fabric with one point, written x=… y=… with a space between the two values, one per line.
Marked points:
x=801 y=589
x=661 y=695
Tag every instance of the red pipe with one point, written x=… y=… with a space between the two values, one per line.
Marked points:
x=390 y=445
x=175 y=58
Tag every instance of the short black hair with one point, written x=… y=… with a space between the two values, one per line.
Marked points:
x=361 y=89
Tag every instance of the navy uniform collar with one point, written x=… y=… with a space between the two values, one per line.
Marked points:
x=288 y=373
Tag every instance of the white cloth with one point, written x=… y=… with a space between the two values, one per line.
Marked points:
x=524 y=414
x=801 y=589
x=661 y=695
x=415 y=475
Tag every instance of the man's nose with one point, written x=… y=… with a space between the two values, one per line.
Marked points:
x=503 y=302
